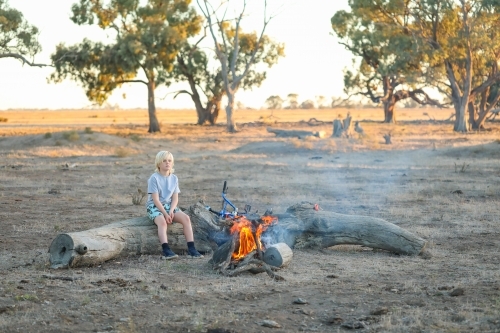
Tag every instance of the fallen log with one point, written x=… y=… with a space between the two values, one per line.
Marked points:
x=301 y=226
x=130 y=237
x=280 y=133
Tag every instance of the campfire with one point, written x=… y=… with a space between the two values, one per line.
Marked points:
x=245 y=250
x=248 y=234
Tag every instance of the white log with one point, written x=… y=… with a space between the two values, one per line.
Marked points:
x=278 y=255
x=123 y=238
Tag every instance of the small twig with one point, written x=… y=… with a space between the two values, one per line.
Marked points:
x=461 y=169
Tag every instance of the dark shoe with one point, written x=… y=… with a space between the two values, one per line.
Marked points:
x=168 y=254
x=194 y=254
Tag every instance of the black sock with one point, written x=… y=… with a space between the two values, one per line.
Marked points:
x=165 y=246
x=190 y=245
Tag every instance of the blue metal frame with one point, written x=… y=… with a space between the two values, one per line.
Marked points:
x=224 y=213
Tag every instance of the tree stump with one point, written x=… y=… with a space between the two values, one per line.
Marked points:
x=301 y=226
x=342 y=128
x=387 y=138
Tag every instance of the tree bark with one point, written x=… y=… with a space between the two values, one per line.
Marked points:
x=154 y=125
x=231 y=125
x=300 y=227
x=389 y=116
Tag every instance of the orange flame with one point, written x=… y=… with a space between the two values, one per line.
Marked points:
x=247 y=242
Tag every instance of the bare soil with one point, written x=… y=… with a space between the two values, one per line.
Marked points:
x=67 y=176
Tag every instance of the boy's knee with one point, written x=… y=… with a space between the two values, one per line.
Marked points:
x=161 y=222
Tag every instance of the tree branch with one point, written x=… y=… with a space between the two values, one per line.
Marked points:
x=23 y=59
x=131 y=81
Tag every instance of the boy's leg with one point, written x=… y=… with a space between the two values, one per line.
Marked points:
x=162 y=235
x=182 y=218
x=162 y=228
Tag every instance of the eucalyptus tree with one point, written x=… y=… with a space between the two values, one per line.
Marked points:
x=147 y=37
x=227 y=50
x=206 y=80
x=274 y=102
x=18 y=39
x=388 y=61
x=464 y=39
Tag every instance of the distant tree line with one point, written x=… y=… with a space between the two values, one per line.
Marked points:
x=275 y=102
x=402 y=50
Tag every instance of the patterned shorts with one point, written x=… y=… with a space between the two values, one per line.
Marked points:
x=153 y=211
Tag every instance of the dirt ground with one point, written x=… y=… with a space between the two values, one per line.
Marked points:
x=439 y=185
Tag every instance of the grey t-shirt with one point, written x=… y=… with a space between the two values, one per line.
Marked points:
x=164 y=186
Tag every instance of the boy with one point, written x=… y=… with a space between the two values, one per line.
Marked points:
x=161 y=206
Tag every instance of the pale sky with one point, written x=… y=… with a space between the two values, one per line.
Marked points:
x=313 y=64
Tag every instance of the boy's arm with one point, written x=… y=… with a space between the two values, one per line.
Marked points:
x=173 y=204
x=156 y=200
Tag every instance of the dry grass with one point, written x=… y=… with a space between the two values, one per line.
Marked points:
x=435 y=183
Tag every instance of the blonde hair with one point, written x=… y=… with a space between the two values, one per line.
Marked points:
x=162 y=155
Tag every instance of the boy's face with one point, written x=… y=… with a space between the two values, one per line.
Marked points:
x=166 y=165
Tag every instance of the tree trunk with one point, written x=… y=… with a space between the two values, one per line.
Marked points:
x=389 y=116
x=154 y=125
x=300 y=227
x=211 y=111
x=215 y=109
x=231 y=125
x=479 y=117
x=201 y=112
x=460 y=122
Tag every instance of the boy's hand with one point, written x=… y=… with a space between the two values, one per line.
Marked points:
x=168 y=219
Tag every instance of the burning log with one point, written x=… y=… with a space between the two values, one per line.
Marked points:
x=278 y=255
x=300 y=227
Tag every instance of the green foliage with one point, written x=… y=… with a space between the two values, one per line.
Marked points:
x=386 y=54
x=47 y=135
x=195 y=66
x=88 y=130
x=147 y=38
x=464 y=54
x=18 y=39
x=274 y=102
